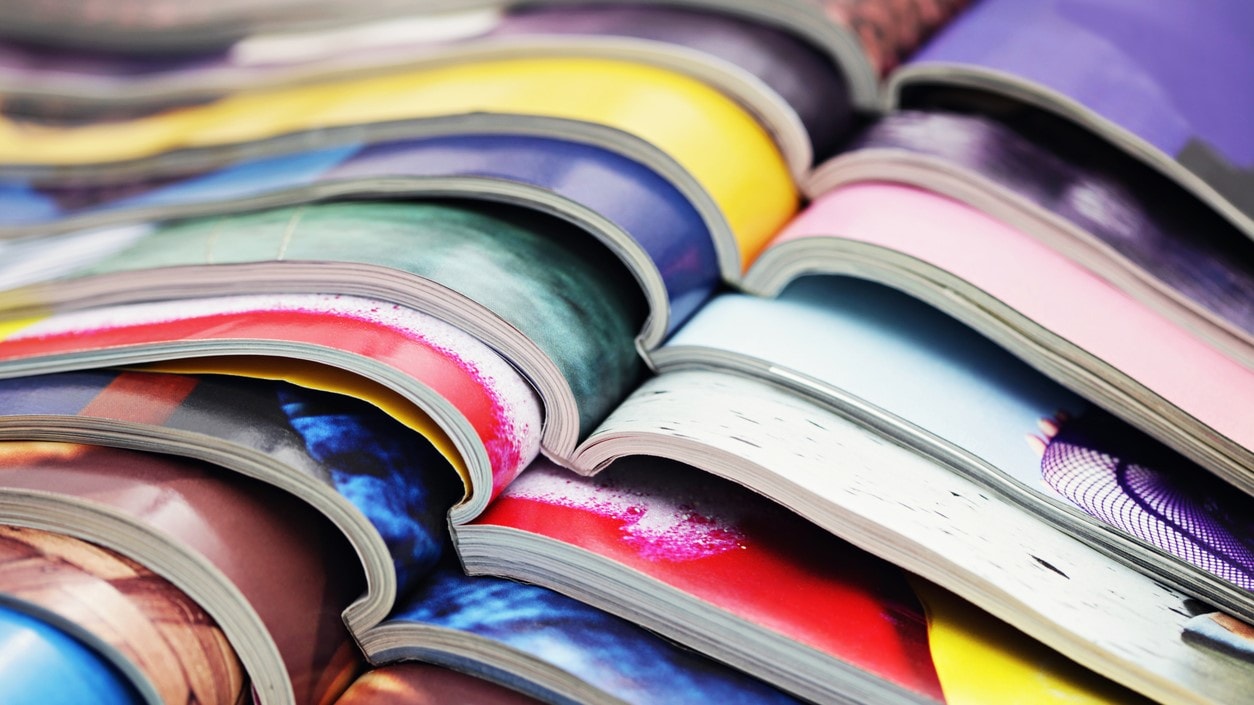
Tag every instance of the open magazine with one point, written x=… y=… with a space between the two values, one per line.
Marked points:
x=919 y=514
x=221 y=45
x=529 y=638
x=490 y=271
x=176 y=650
x=928 y=382
x=796 y=92
x=1048 y=310
x=1082 y=197
x=818 y=644
x=221 y=539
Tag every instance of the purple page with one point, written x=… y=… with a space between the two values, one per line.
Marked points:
x=1170 y=235
x=1175 y=76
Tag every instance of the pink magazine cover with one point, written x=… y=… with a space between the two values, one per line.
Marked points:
x=1074 y=306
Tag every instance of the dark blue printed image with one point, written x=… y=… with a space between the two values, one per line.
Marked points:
x=605 y=651
x=394 y=475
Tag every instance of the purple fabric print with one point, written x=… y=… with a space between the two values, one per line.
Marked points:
x=1131 y=482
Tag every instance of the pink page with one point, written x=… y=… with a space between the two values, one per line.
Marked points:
x=1048 y=288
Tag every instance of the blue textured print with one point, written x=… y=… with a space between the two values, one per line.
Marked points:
x=605 y=651
x=391 y=473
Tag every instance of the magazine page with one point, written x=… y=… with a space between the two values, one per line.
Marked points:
x=491 y=414
x=751 y=183
x=977 y=664
x=637 y=212
x=552 y=647
x=918 y=514
x=244 y=532
x=1079 y=195
x=169 y=638
x=323 y=378
x=686 y=531
x=892 y=351
x=511 y=262
x=1028 y=298
x=1166 y=81
x=813 y=88
x=853 y=619
x=935 y=385
x=383 y=470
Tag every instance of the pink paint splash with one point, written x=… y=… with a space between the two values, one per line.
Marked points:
x=661 y=519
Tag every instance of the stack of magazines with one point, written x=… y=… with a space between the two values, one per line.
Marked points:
x=595 y=351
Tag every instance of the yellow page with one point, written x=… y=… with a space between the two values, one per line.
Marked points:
x=981 y=660
x=721 y=145
x=13 y=325
x=327 y=379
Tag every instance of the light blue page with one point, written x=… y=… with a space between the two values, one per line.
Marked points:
x=900 y=355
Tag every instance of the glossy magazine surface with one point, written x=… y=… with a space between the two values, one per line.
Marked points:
x=1175 y=74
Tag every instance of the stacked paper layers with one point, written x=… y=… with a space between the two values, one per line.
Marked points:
x=718 y=351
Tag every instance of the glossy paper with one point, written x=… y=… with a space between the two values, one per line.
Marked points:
x=1173 y=74
x=638 y=200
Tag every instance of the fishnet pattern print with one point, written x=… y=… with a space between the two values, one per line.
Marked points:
x=1153 y=506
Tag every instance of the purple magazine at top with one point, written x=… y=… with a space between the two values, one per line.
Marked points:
x=1171 y=81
